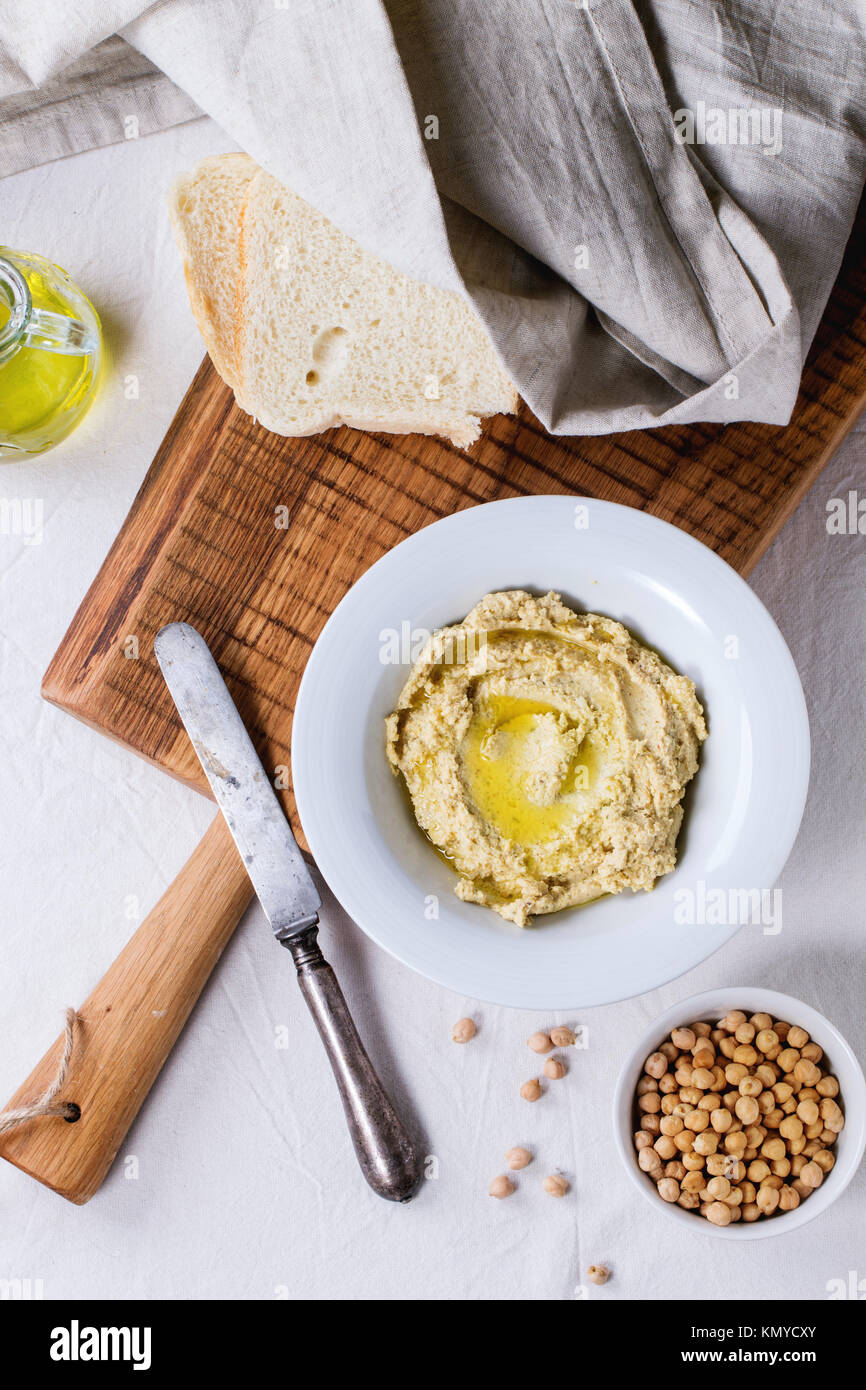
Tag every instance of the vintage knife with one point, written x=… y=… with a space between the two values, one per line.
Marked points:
x=288 y=895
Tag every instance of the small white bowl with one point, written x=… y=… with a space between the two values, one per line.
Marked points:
x=839 y=1058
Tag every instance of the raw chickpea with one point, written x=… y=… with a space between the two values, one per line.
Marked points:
x=647 y=1084
x=791 y=1127
x=827 y=1086
x=766 y=1040
x=755 y=1135
x=761 y=1020
x=693 y=1161
x=812 y=1175
x=802 y=1189
x=555 y=1068
x=749 y=1154
x=746 y=1054
x=772 y=1181
x=709 y=1103
x=766 y=1102
x=717 y=1165
x=704 y=1054
x=665 y=1147
x=735 y=1143
x=788 y=1059
x=565 y=1037
x=746 y=1109
x=744 y=1033
x=770 y=1149
x=814 y=1131
x=688 y=1201
x=750 y=1086
x=798 y=1163
x=675 y=1170
x=464 y=1030
x=824 y=1159
x=721 y=1120
x=540 y=1042
x=806 y=1072
x=789 y=1199
x=796 y=1146
x=683 y=1076
x=693 y=1181
x=649 y=1162
x=557 y=1186
x=751 y=1211
x=766 y=1074
x=655 y=1065
x=719 y=1082
x=735 y=1169
x=696 y=1120
x=797 y=1037
x=672 y=1124
x=782 y=1091
x=718 y=1214
x=669 y=1104
x=828 y=1136
x=781 y=1027
x=669 y=1190
x=728 y=1047
x=684 y=1039
x=685 y=1141
x=757 y=1170
x=767 y=1200
x=706 y=1142
x=812 y=1052
x=789 y=1107
x=735 y=1072
x=702 y=1078
x=531 y=1090
x=808 y=1112
x=781 y=1167
x=732 y=1020
x=734 y=1197
x=718 y=1187
x=701 y=1030
x=690 y=1095
x=597 y=1274
x=668 y=1050
x=749 y=1191
x=667 y=1083
x=501 y=1187
x=519 y=1157
x=832 y=1115
x=773 y=1118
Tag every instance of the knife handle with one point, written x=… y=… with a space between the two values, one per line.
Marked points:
x=385 y=1152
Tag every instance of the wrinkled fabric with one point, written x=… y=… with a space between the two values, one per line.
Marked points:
x=575 y=168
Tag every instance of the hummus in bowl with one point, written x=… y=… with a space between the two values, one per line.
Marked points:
x=546 y=753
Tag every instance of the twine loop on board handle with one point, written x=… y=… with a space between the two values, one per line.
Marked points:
x=47 y=1103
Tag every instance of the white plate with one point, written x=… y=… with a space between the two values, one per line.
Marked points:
x=743 y=809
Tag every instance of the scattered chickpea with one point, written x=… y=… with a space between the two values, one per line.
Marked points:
x=555 y=1068
x=564 y=1037
x=501 y=1186
x=464 y=1030
x=540 y=1042
x=557 y=1185
x=597 y=1274
x=737 y=1121
x=531 y=1090
x=519 y=1157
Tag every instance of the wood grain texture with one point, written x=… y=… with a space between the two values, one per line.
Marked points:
x=129 y=1024
x=201 y=544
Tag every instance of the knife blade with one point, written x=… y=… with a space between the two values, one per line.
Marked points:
x=240 y=785
x=288 y=895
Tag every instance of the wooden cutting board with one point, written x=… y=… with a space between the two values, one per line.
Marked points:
x=255 y=539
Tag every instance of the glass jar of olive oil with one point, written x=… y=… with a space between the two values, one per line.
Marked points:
x=50 y=353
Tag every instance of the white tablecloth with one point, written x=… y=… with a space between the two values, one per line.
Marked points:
x=246 y=1186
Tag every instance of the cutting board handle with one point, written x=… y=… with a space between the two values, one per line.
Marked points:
x=128 y=1025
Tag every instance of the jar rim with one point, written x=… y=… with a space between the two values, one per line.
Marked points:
x=16 y=292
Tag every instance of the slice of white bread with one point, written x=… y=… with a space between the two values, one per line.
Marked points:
x=328 y=334
x=205 y=208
